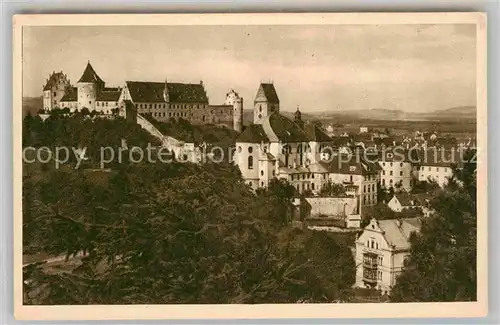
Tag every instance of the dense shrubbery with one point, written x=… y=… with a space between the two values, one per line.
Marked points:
x=442 y=264
x=168 y=233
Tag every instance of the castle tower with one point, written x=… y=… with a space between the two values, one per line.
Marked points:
x=232 y=98
x=88 y=87
x=266 y=102
x=54 y=89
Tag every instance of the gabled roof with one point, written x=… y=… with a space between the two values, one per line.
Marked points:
x=254 y=133
x=397 y=232
x=408 y=155
x=152 y=92
x=315 y=133
x=108 y=96
x=89 y=75
x=353 y=165
x=54 y=78
x=270 y=93
x=70 y=95
x=406 y=199
x=279 y=128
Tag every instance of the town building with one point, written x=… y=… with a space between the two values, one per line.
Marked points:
x=399 y=168
x=404 y=201
x=381 y=250
x=437 y=165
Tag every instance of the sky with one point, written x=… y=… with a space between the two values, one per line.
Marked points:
x=413 y=68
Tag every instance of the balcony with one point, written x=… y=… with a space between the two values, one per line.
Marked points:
x=369 y=280
x=370 y=264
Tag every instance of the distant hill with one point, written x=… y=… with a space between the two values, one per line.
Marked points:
x=462 y=112
x=32 y=105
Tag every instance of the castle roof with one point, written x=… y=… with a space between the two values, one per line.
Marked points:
x=89 y=75
x=70 y=95
x=53 y=80
x=108 y=95
x=270 y=93
x=142 y=91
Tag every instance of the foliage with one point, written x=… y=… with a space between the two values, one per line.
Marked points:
x=174 y=233
x=78 y=130
x=442 y=263
x=332 y=189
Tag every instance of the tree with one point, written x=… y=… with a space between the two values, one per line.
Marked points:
x=332 y=189
x=442 y=262
x=175 y=233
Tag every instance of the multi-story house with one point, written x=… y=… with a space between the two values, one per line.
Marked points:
x=398 y=168
x=437 y=165
x=381 y=251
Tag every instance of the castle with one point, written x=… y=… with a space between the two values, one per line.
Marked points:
x=161 y=100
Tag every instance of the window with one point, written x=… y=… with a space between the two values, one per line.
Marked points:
x=383 y=172
x=250 y=162
x=261 y=173
x=351 y=178
x=239 y=148
x=274 y=172
x=250 y=149
x=383 y=164
x=401 y=165
x=401 y=173
x=262 y=184
x=55 y=94
x=373 y=187
x=390 y=181
x=90 y=102
x=437 y=169
x=312 y=186
x=376 y=245
x=383 y=182
x=391 y=164
x=391 y=173
x=429 y=168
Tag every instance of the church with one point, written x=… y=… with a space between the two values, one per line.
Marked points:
x=274 y=146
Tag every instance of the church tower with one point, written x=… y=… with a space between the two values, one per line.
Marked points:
x=298 y=118
x=266 y=102
x=88 y=87
x=232 y=98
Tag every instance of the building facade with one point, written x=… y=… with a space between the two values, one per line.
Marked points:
x=54 y=90
x=90 y=93
x=381 y=251
x=398 y=169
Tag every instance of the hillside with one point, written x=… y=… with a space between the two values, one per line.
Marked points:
x=32 y=105
x=462 y=112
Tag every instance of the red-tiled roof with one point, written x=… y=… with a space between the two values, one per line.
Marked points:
x=89 y=75
x=152 y=92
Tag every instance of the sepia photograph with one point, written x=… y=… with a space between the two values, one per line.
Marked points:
x=211 y=164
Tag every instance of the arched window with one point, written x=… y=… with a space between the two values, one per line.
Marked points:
x=261 y=173
x=250 y=162
x=250 y=149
